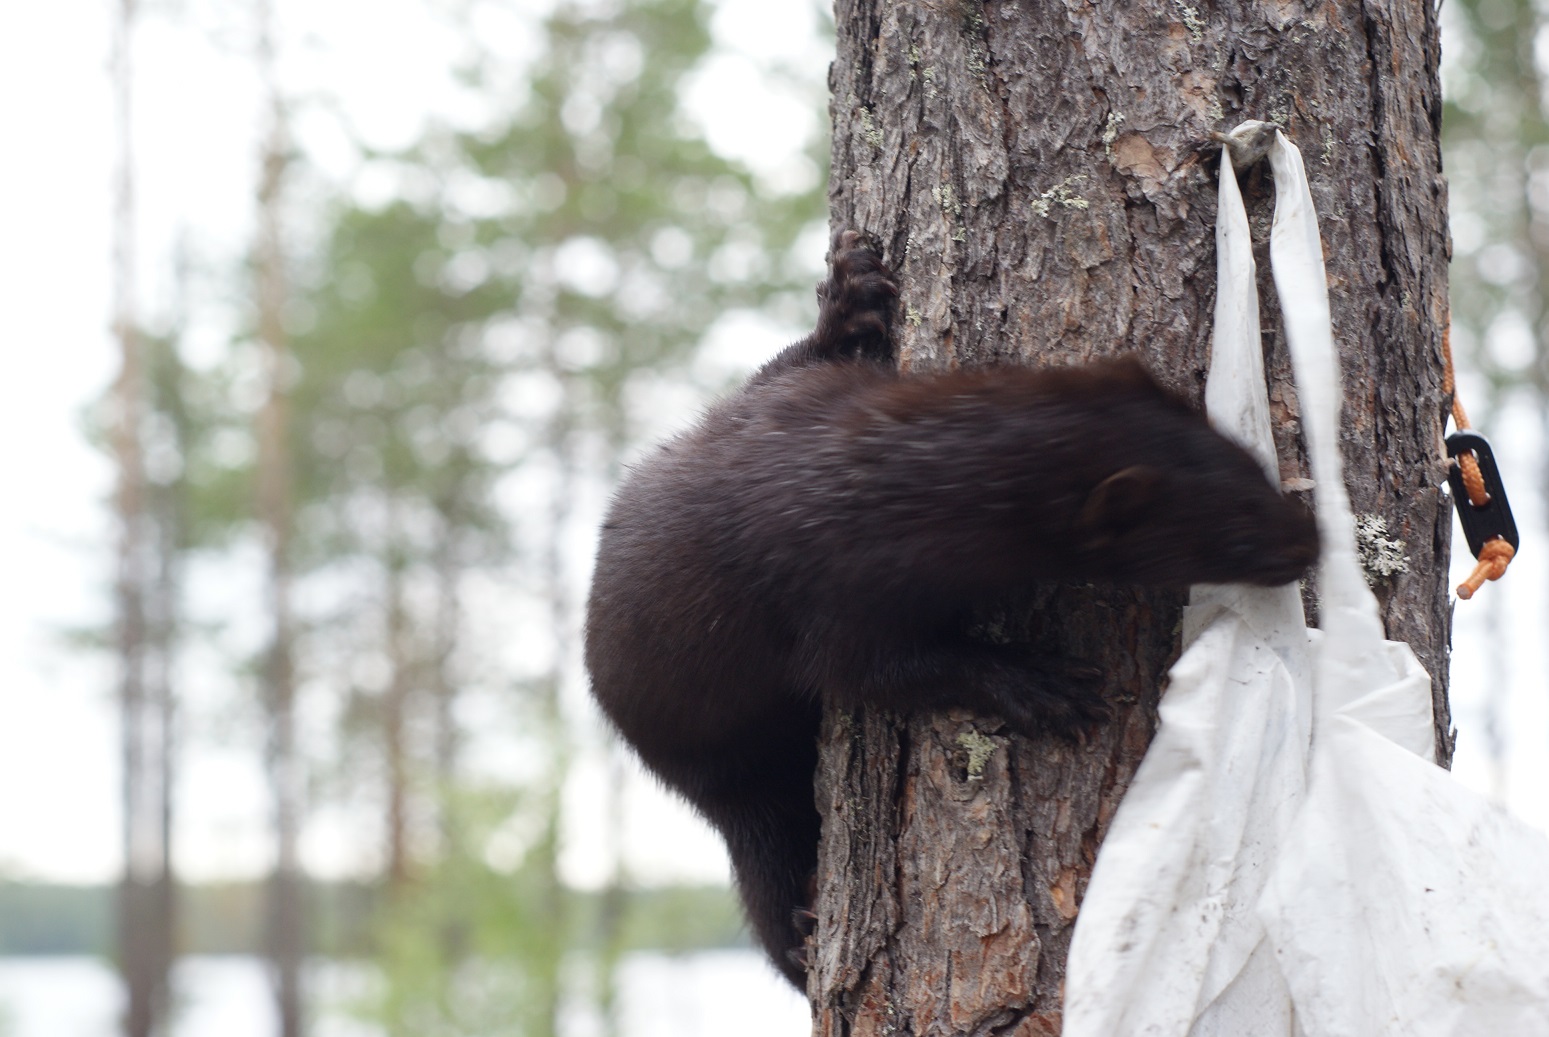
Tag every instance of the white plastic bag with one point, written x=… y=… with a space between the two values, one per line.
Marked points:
x=1289 y=860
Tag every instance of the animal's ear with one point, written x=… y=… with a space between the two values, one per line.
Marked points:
x=1128 y=369
x=1119 y=503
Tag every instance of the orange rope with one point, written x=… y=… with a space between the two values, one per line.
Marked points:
x=1473 y=479
x=1496 y=554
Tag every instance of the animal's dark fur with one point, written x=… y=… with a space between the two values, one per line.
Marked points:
x=822 y=535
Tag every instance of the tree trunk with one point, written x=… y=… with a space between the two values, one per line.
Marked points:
x=1043 y=183
x=395 y=708
x=168 y=507
x=553 y=920
x=286 y=920
x=144 y=934
x=444 y=683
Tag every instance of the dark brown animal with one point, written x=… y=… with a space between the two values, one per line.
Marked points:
x=824 y=534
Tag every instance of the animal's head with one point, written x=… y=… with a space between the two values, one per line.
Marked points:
x=1184 y=504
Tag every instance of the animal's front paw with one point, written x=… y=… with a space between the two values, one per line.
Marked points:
x=1042 y=696
x=857 y=299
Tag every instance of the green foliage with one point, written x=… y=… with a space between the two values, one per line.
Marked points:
x=617 y=234
x=475 y=945
x=395 y=398
x=179 y=416
x=469 y=948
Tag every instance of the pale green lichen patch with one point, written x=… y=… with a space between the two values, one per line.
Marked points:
x=913 y=316
x=1192 y=20
x=1298 y=36
x=979 y=750
x=1062 y=195
x=871 y=133
x=973 y=27
x=946 y=197
x=1382 y=554
x=1111 y=131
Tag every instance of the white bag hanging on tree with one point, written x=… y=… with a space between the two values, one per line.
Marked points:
x=1289 y=861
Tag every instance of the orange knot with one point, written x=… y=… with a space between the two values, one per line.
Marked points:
x=1494 y=556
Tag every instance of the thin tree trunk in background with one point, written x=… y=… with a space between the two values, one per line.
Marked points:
x=613 y=906
x=444 y=688
x=615 y=897
x=286 y=915
x=143 y=916
x=562 y=615
x=443 y=654
x=1041 y=181
x=170 y=506
x=395 y=714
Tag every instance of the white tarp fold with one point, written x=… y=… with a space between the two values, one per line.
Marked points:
x=1289 y=862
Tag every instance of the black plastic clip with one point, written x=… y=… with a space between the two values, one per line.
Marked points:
x=1485 y=522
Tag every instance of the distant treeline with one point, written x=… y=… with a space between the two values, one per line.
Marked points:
x=37 y=918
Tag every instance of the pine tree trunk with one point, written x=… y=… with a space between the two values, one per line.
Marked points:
x=1042 y=181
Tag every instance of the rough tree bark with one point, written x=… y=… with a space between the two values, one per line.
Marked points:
x=1041 y=179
